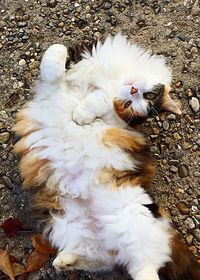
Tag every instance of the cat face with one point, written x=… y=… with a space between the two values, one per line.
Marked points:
x=134 y=105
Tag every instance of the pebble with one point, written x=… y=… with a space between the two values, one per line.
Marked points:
x=196 y=234
x=196 y=174
x=173 y=169
x=6 y=208
x=194 y=103
x=189 y=223
x=177 y=136
x=171 y=117
x=51 y=3
x=4 y=137
x=179 y=84
x=165 y=125
x=189 y=92
x=195 y=9
x=2 y=187
x=34 y=64
x=183 y=171
x=189 y=239
x=22 y=62
x=107 y=5
x=183 y=208
x=181 y=37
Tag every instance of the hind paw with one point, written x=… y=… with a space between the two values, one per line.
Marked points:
x=64 y=261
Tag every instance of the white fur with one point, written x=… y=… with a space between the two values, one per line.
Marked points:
x=101 y=226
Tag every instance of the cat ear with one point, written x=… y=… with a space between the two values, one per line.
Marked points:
x=170 y=105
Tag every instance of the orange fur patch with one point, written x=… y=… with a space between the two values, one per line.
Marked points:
x=123 y=139
x=134 y=144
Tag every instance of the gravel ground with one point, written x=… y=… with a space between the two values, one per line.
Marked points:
x=166 y=27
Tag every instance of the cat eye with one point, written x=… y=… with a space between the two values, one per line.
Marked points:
x=149 y=95
x=127 y=104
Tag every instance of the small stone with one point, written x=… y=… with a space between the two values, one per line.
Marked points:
x=177 y=136
x=2 y=186
x=141 y=23
x=174 y=162
x=189 y=223
x=4 y=137
x=189 y=92
x=171 y=117
x=61 y=24
x=182 y=207
x=34 y=65
x=167 y=140
x=22 y=24
x=165 y=125
x=195 y=9
x=6 y=208
x=194 y=103
x=107 y=5
x=155 y=130
x=22 y=62
x=196 y=174
x=181 y=37
x=179 y=84
x=51 y=3
x=157 y=8
x=183 y=171
x=189 y=239
x=173 y=169
x=196 y=234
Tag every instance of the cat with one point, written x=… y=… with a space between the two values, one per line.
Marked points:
x=90 y=170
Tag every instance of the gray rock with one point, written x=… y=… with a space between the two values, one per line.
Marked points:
x=173 y=169
x=195 y=9
x=196 y=234
x=196 y=174
x=165 y=125
x=4 y=137
x=194 y=103
x=171 y=117
x=183 y=171
x=189 y=223
x=22 y=62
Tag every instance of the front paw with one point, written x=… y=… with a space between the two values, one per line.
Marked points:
x=81 y=116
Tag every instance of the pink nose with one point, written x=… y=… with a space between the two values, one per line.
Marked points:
x=134 y=90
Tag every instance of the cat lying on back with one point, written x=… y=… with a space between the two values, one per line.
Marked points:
x=91 y=175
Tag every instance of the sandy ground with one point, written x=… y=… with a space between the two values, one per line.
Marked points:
x=170 y=28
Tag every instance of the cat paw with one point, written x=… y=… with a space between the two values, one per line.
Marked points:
x=53 y=63
x=147 y=273
x=64 y=260
x=81 y=116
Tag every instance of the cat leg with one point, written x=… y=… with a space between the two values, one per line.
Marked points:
x=52 y=67
x=64 y=260
x=94 y=105
x=147 y=273
x=67 y=261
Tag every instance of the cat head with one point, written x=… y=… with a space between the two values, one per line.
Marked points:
x=134 y=104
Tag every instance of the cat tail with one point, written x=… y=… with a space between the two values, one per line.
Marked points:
x=52 y=68
x=183 y=266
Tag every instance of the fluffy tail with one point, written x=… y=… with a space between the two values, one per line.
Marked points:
x=52 y=67
x=183 y=266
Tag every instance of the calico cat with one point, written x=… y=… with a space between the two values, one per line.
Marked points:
x=90 y=170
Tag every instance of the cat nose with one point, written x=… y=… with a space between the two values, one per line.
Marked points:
x=134 y=90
